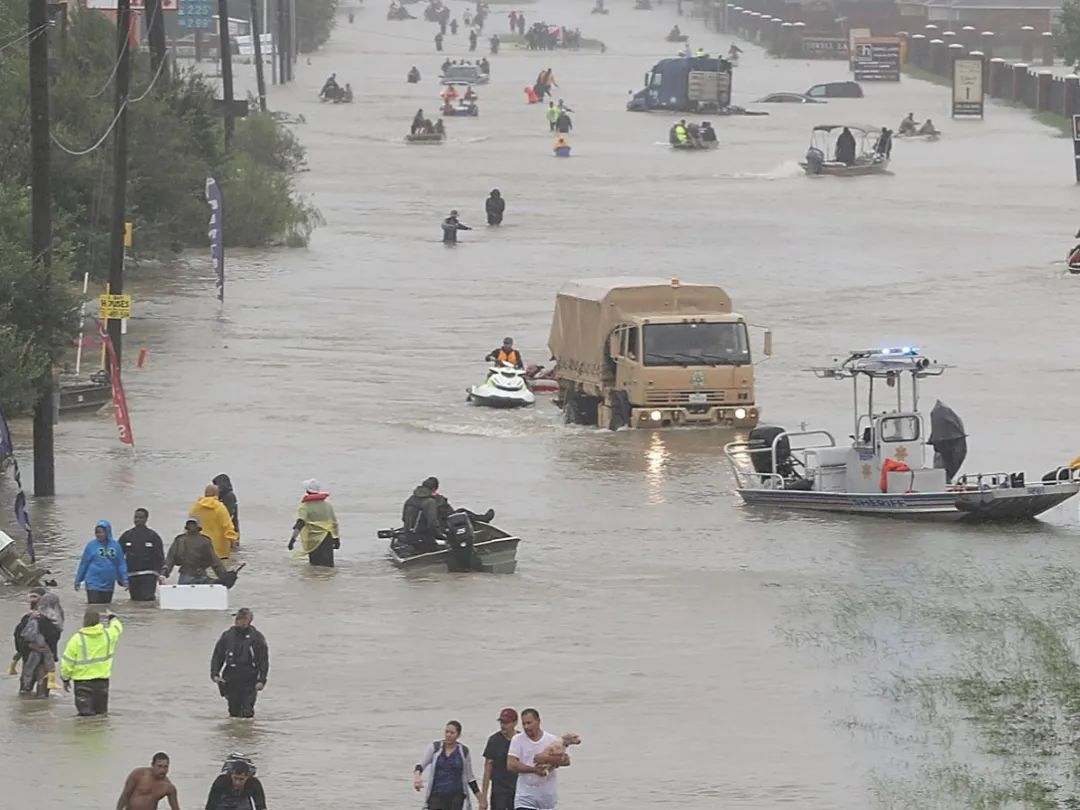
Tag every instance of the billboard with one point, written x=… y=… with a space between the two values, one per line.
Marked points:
x=136 y=5
x=855 y=34
x=876 y=59
x=824 y=47
x=967 y=87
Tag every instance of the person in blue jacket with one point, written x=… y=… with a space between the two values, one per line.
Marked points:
x=102 y=566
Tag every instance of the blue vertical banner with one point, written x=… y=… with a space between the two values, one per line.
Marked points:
x=7 y=452
x=217 y=232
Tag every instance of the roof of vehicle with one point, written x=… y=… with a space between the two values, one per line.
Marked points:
x=859 y=127
x=597 y=289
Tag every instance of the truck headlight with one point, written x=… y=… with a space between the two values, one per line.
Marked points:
x=740 y=413
x=656 y=416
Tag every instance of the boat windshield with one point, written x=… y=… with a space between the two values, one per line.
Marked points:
x=696 y=344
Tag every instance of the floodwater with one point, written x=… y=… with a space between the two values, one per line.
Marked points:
x=651 y=612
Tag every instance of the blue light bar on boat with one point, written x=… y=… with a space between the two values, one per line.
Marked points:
x=908 y=351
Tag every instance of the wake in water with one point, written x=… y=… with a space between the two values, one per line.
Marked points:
x=785 y=171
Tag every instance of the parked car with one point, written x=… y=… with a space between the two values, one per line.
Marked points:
x=836 y=90
x=787 y=98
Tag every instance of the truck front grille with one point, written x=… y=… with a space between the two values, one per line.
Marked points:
x=685 y=397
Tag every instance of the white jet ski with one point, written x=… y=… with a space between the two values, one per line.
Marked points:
x=504 y=387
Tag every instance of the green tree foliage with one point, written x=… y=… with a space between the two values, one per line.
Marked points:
x=1068 y=34
x=176 y=141
x=314 y=21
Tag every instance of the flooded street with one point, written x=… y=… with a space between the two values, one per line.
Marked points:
x=678 y=632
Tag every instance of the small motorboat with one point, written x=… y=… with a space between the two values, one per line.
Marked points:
x=919 y=136
x=865 y=160
x=675 y=36
x=541 y=381
x=884 y=471
x=467 y=108
x=426 y=137
x=472 y=545
x=695 y=146
x=505 y=387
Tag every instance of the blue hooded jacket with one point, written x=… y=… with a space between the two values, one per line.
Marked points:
x=102 y=565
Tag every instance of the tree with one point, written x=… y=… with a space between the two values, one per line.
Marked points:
x=1068 y=35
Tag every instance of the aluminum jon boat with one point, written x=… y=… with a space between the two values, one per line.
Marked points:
x=884 y=471
x=490 y=551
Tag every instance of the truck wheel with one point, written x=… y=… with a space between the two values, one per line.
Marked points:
x=588 y=410
x=570 y=410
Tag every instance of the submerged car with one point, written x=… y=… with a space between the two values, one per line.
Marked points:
x=836 y=90
x=788 y=98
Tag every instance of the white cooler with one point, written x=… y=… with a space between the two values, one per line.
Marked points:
x=193 y=597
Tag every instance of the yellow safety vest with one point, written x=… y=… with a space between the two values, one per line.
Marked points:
x=680 y=133
x=89 y=653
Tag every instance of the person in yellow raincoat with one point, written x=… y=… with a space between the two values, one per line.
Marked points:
x=316 y=527
x=216 y=521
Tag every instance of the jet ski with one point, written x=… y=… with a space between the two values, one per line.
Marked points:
x=540 y=381
x=505 y=387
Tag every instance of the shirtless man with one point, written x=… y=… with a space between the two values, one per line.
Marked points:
x=145 y=787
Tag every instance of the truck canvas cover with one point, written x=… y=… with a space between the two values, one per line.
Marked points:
x=700 y=78
x=587 y=311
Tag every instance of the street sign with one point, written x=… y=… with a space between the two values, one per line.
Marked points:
x=876 y=59
x=114 y=307
x=196 y=15
x=967 y=87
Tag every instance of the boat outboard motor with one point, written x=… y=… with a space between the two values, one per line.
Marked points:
x=761 y=442
x=460 y=537
x=948 y=438
x=815 y=159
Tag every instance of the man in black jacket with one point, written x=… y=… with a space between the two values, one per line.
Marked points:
x=145 y=555
x=240 y=664
x=495 y=206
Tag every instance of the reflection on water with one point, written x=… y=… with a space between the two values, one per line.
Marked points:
x=656 y=458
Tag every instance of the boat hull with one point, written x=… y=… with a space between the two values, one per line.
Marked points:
x=495 y=555
x=425 y=138
x=972 y=505
x=689 y=147
x=841 y=170
x=479 y=396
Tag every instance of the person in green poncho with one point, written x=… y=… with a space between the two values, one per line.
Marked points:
x=316 y=527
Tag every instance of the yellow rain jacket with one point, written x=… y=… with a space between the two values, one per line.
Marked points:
x=319 y=523
x=216 y=524
x=89 y=653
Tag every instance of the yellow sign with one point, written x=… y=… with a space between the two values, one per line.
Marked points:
x=114 y=307
x=128 y=238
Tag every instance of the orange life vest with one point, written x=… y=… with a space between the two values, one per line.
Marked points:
x=891 y=465
x=511 y=357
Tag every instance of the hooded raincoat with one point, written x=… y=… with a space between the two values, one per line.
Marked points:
x=216 y=524
x=320 y=522
x=227 y=495
x=102 y=564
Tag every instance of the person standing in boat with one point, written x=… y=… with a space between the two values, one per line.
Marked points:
x=145 y=556
x=450 y=773
x=417 y=122
x=883 y=145
x=845 y=147
x=316 y=527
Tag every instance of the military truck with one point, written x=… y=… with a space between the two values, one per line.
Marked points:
x=652 y=353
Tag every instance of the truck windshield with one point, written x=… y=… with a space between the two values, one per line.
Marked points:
x=696 y=344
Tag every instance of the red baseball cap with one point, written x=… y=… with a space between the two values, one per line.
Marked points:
x=508 y=716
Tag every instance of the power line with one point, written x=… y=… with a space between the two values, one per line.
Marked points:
x=123 y=55
x=153 y=81
x=35 y=33
x=100 y=141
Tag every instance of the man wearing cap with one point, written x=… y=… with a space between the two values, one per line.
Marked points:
x=240 y=664
x=450 y=227
x=420 y=516
x=194 y=553
x=506 y=354
x=88 y=660
x=503 y=783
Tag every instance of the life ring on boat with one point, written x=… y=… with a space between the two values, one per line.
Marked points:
x=891 y=465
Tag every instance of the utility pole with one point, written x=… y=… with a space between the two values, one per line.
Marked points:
x=41 y=229
x=156 y=19
x=226 y=68
x=294 y=45
x=283 y=41
x=120 y=163
x=256 y=38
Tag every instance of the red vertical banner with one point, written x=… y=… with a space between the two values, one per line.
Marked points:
x=120 y=409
